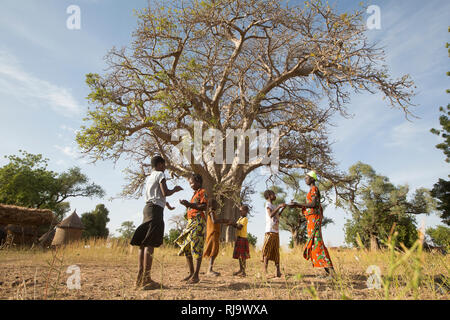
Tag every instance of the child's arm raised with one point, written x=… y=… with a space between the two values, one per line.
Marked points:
x=313 y=204
x=169 y=206
x=273 y=212
x=196 y=206
x=166 y=192
x=282 y=209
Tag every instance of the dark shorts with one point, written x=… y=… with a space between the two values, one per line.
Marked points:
x=151 y=232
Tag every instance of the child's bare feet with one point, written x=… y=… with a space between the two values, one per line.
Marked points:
x=193 y=280
x=146 y=279
x=188 y=277
x=213 y=273
x=278 y=274
x=139 y=279
x=237 y=273
x=152 y=285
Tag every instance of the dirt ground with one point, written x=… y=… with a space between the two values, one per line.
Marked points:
x=111 y=275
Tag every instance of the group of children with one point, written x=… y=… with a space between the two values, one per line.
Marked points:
x=200 y=238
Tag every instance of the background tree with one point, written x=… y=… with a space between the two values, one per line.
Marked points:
x=441 y=190
x=126 y=230
x=252 y=239
x=238 y=64
x=26 y=181
x=95 y=222
x=179 y=221
x=169 y=239
x=377 y=205
x=440 y=236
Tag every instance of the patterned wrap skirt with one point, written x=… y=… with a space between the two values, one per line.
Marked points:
x=192 y=239
x=271 y=247
x=315 y=249
x=241 y=249
x=151 y=232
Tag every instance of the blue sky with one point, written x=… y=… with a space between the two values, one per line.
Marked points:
x=42 y=98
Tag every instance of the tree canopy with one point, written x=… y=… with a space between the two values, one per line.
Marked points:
x=95 y=222
x=126 y=230
x=440 y=236
x=26 y=181
x=441 y=190
x=377 y=205
x=233 y=65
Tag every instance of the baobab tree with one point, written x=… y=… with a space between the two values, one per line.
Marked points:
x=233 y=65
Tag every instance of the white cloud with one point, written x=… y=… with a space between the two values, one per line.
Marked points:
x=61 y=163
x=68 y=151
x=30 y=90
x=411 y=135
x=67 y=128
x=413 y=34
x=371 y=117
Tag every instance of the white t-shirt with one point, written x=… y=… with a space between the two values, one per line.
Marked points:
x=153 y=192
x=271 y=223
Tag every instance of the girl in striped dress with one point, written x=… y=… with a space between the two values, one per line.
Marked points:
x=271 y=247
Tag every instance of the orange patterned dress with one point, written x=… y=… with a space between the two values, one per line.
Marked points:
x=315 y=249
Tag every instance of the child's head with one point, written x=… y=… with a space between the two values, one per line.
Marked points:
x=158 y=163
x=243 y=209
x=196 y=181
x=270 y=195
x=310 y=178
x=212 y=204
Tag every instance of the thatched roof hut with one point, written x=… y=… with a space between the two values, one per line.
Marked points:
x=22 y=235
x=47 y=238
x=72 y=222
x=25 y=216
x=68 y=230
x=2 y=235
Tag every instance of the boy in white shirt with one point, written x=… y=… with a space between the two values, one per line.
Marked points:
x=271 y=247
x=150 y=233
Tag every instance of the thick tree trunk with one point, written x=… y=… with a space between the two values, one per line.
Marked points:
x=228 y=234
x=230 y=209
x=373 y=243
x=294 y=235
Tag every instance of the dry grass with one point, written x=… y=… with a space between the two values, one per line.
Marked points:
x=108 y=271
